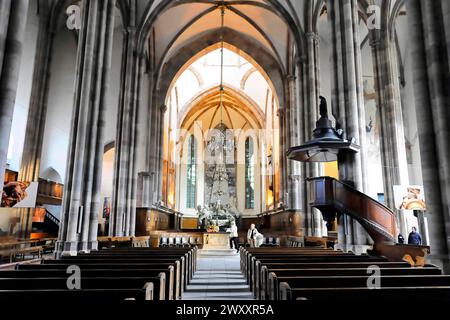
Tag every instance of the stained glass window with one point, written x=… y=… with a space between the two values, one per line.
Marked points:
x=249 y=174
x=191 y=186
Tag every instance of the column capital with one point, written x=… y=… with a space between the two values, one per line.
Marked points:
x=163 y=108
x=300 y=60
x=311 y=35
x=294 y=177
x=129 y=30
x=291 y=77
x=375 y=43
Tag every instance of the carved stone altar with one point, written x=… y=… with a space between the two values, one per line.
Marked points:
x=216 y=240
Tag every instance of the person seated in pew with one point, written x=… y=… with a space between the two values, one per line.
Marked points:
x=254 y=238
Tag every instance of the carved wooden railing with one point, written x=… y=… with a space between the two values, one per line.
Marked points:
x=50 y=192
x=333 y=197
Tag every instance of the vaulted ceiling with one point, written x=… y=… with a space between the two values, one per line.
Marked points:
x=236 y=113
x=258 y=20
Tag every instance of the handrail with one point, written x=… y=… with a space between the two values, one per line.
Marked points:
x=331 y=196
x=50 y=216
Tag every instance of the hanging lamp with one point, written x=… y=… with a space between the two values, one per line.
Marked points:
x=327 y=142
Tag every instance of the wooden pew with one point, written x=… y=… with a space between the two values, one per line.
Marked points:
x=262 y=282
x=158 y=283
x=164 y=273
x=405 y=294
x=170 y=293
x=14 y=252
x=250 y=257
x=179 y=278
x=186 y=262
x=184 y=271
x=190 y=254
x=93 y=296
x=340 y=281
x=255 y=265
x=246 y=255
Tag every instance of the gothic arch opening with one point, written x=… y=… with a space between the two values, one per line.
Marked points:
x=194 y=112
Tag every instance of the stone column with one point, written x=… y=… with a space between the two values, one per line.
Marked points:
x=152 y=153
x=347 y=107
x=125 y=173
x=311 y=116
x=293 y=167
x=393 y=150
x=282 y=171
x=13 y=16
x=429 y=45
x=81 y=203
x=159 y=151
x=146 y=178
x=37 y=111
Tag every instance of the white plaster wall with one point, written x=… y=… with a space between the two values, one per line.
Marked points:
x=410 y=117
x=114 y=86
x=323 y=29
x=60 y=103
x=20 y=115
x=142 y=133
x=256 y=87
x=373 y=139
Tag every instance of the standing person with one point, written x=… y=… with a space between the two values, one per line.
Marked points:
x=414 y=237
x=401 y=239
x=252 y=235
x=234 y=237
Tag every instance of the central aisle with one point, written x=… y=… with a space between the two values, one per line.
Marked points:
x=218 y=277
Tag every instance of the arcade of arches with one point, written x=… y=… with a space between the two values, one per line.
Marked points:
x=119 y=104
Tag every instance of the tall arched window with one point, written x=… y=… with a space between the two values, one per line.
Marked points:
x=249 y=174
x=191 y=185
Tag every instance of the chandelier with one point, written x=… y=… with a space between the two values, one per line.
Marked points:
x=221 y=88
x=221 y=143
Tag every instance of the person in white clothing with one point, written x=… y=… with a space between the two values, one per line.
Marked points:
x=234 y=237
x=253 y=236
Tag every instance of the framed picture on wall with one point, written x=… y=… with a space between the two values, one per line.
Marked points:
x=19 y=194
x=409 y=197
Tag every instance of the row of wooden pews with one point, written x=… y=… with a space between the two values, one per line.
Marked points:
x=317 y=274
x=113 y=274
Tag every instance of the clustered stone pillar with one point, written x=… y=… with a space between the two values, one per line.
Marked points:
x=282 y=166
x=81 y=204
x=152 y=194
x=159 y=152
x=123 y=218
x=293 y=167
x=13 y=16
x=37 y=111
x=34 y=132
x=348 y=108
x=119 y=223
x=429 y=40
x=311 y=116
x=123 y=214
x=393 y=149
